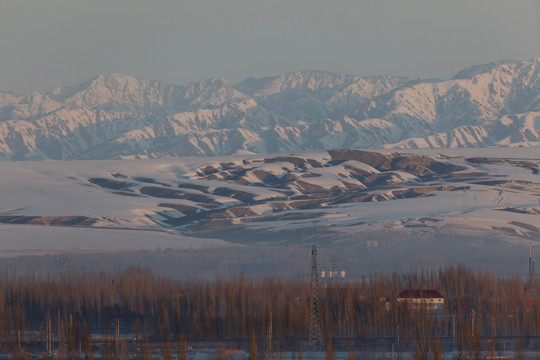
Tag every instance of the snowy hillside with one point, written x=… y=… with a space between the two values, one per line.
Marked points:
x=118 y=116
x=272 y=199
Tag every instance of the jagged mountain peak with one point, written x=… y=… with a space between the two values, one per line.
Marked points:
x=114 y=92
x=306 y=80
x=110 y=81
x=119 y=115
x=496 y=66
x=215 y=82
x=477 y=96
x=251 y=85
x=8 y=97
x=211 y=93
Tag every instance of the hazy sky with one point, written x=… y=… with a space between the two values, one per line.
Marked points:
x=47 y=43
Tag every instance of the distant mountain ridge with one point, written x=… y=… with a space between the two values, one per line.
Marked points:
x=119 y=116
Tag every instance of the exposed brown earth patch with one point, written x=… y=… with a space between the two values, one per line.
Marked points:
x=376 y=160
x=355 y=170
x=296 y=161
x=306 y=187
x=378 y=179
x=111 y=184
x=525 y=226
x=119 y=176
x=266 y=176
x=309 y=175
x=201 y=188
x=150 y=181
x=306 y=204
x=350 y=186
x=521 y=211
x=184 y=209
x=282 y=217
x=49 y=220
x=241 y=211
x=167 y=193
x=245 y=197
x=207 y=170
x=127 y=193
x=226 y=165
x=416 y=165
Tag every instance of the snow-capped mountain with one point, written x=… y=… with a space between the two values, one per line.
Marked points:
x=119 y=116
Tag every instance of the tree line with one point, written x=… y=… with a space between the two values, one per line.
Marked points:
x=73 y=309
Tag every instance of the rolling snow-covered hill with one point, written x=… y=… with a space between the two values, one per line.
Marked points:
x=119 y=116
x=375 y=209
x=269 y=199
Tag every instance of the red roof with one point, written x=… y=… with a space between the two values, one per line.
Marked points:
x=528 y=303
x=420 y=294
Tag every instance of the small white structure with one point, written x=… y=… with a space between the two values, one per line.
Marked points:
x=432 y=299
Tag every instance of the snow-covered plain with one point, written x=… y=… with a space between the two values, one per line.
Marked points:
x=19 y=240
x=141 y=209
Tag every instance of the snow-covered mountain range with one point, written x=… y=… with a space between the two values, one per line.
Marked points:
x=119 y=116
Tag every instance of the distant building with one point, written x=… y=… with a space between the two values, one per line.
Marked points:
x=527 y=302
x=432 y=299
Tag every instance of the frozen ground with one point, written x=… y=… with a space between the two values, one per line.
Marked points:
x=35 y=240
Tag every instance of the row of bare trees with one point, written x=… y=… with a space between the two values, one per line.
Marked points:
x=79 y=307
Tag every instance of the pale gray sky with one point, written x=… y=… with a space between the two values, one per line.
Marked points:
x=47 y=43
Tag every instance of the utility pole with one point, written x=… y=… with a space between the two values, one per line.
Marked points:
x=62 y=259
x=48 y=338
x=314 y=320
x=269 y=340
x=117 y=339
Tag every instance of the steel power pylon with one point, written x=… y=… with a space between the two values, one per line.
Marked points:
x=314 y=321
x=532 y=274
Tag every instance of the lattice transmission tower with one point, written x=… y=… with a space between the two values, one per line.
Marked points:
x=532 y=273
x=314 y=320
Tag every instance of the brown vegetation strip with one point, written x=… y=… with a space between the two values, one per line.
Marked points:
x=480 y=310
